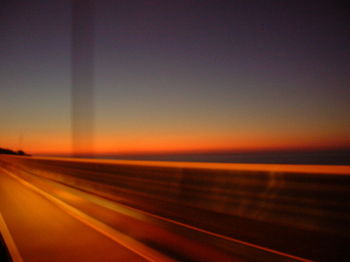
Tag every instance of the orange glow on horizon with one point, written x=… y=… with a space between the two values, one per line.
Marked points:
x=186 y=145
x=158 y=141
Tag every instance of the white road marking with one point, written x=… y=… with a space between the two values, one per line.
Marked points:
x=122 y=239
x=10 y=243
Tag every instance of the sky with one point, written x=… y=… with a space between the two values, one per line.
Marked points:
x=176 y=76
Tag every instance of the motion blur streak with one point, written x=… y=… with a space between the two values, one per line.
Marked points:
x=82 y=76
x=9 y=242
x=316 y=169
x=206 y=211
x=44 y=232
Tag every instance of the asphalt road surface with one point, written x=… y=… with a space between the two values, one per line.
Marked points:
x=42 y=231
x=138 y=210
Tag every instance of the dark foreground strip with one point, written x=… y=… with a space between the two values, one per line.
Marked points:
x=4 y=253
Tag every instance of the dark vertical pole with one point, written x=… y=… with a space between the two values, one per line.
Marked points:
x=82 y=77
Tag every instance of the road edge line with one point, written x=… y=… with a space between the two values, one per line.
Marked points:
x=118 y=237
x=10 y=243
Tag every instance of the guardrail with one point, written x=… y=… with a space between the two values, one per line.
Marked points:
x=298 y=210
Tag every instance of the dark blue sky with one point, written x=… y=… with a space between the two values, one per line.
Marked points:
x=181 y=75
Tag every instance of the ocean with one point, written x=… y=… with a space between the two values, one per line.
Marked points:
x=324 y=157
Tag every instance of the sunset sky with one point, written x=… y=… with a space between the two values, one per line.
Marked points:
x=180 y=75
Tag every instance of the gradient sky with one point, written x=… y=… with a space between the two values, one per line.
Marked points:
x=180 y=75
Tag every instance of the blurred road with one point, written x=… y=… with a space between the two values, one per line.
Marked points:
x=53 y=234
x=104 y=210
